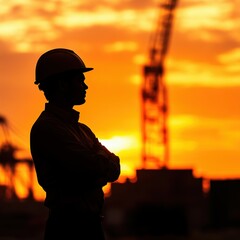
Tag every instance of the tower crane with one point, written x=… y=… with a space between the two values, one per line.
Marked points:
x=155 y=149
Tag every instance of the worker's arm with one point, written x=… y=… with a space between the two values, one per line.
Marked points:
x=54 y=147
x=113 y=160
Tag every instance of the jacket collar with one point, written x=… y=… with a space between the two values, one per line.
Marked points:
x=65 y=115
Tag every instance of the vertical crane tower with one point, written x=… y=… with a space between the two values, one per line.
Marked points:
x=155 y=149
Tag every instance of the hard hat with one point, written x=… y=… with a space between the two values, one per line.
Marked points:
x=58 y=60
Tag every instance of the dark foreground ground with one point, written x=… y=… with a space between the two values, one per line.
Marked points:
x=227 y=234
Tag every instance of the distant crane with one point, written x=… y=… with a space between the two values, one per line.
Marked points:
x=9 y=164
x=155 y=150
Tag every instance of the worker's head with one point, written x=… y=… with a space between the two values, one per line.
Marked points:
x=60 y=70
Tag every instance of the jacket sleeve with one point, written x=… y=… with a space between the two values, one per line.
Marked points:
x=113 y=162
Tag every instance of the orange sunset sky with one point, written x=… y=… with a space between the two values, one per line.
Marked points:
x=202 y=75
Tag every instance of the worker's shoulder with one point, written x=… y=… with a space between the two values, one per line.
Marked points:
x=85 y=127
x=45 y=120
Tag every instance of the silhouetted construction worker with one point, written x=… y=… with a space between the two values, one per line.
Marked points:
x=72 y=166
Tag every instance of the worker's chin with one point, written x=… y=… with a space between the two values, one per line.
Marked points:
x=81 y=102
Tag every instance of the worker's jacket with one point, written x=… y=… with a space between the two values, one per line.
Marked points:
x=71 y=164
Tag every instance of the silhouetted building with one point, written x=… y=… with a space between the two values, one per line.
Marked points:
x=160 y=202
x=224 y=203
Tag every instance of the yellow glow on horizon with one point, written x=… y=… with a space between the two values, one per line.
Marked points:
x=117 y=144
x=126 y=172
x=21 y=180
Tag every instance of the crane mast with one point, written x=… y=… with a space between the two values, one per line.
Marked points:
x=155 y=149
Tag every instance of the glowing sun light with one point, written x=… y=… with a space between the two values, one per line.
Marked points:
x=118 y=143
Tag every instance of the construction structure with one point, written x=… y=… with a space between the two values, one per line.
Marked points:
x=155 y=150
x=10 y=165
x=22 y=217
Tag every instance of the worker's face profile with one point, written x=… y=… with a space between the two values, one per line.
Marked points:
x=78 y=89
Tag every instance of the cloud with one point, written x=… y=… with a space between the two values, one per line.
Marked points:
x=203 y=132
x=128 y=18
x=121 y=46
x=231 y=56
x=207 y=20
x=31 y=25
x=231 y=61
x=186 y=72
x=28 y=26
